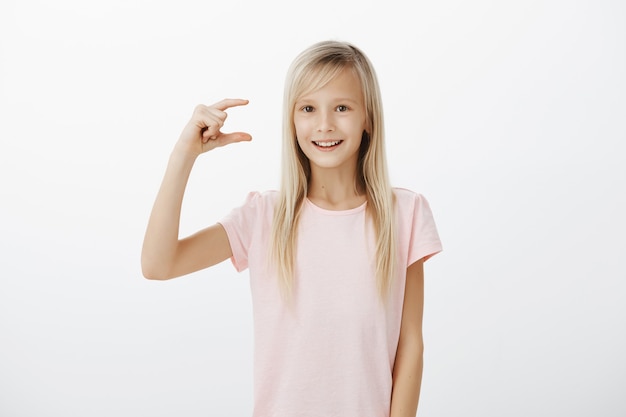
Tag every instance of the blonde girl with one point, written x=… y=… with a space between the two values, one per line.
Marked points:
x=335 y=256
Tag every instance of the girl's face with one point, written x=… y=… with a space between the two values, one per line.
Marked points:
x=330 y=122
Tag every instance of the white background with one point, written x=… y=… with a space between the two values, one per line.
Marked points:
x=509 y=116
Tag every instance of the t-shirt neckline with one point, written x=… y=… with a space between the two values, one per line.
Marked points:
x=335 y=212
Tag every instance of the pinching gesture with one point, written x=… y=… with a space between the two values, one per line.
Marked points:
x=203 y=131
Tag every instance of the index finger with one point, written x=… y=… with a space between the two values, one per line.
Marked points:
x=230 y=102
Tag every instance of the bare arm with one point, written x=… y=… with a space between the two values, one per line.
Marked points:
x=164 y=255
x=407 y=371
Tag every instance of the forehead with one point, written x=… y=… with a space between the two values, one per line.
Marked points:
x=344 y=84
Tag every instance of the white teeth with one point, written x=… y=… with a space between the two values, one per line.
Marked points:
x=327 y=144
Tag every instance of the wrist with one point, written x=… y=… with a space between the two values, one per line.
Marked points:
x=182 y=152
x=182 y=158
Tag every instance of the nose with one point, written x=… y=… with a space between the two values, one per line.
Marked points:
x=325 y=122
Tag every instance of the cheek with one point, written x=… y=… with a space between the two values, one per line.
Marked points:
x=300 y=141
x=301 y=135
x=302 y=130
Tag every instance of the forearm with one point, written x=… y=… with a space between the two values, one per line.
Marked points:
x=163 y=255
x=407 y=380
x=162 y=233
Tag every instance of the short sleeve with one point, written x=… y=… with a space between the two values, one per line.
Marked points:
x=240 y=225
x=424 y=241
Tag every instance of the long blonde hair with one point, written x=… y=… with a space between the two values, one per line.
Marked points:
x=311 y=70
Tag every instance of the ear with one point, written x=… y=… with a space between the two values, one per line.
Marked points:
x=367 y=125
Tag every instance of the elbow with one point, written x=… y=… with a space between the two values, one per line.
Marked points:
x=420 y=349
x=152 y=276
x=152 y=271
x=413 y=345
x=418 y=345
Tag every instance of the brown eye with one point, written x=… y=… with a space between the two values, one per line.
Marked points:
x=342 y=108
x=307 y=109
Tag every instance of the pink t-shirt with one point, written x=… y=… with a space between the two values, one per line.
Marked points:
x=332 y=354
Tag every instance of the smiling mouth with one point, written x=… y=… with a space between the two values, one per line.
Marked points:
x=327 y=144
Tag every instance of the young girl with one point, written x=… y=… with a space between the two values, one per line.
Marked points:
x=335 y=256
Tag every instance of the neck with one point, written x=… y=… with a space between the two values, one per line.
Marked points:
x=334 y=189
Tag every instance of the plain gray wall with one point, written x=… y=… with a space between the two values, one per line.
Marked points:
x=508 y=116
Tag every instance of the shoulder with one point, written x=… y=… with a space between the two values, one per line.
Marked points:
x=405 y=197
x=411 y=204
x=261 y=199
x=257 y=204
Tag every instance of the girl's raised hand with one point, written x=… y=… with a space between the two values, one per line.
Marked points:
x=202 y=133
